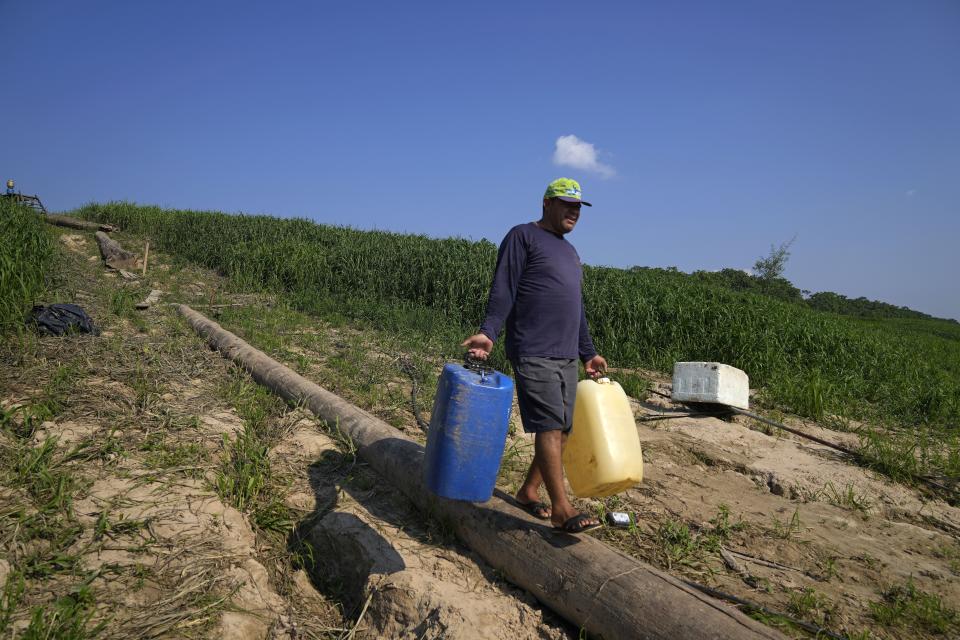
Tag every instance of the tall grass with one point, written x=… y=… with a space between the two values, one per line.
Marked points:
x=25 y=254
x=811 y=362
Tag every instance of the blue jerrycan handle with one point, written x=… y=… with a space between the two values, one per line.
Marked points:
x=480 y=366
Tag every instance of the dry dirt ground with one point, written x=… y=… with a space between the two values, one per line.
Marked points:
x=134 y=502
x=815 y=535
x=152 y=538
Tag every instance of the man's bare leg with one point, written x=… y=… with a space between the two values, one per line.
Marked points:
x=548 y=447
x=529 y=491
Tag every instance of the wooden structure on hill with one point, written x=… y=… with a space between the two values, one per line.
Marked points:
x=29 y=201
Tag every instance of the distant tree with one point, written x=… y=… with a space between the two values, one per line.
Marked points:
x=862 y=307
x=739 y=280
x=772 y=266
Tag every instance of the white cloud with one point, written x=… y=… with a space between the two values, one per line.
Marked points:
x=911 y=192
x=573 y=152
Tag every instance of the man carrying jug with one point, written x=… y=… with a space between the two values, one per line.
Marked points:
x=537 y=295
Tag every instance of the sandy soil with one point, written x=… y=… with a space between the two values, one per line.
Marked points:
x=835 y=528
x=164 y=554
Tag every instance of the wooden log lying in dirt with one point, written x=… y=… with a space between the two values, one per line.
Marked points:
x=114 y=256
x=83 y=225
x=127 y=275
x=150 y=300
x=595 y=587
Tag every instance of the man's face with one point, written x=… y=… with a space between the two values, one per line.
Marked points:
x=560 y=216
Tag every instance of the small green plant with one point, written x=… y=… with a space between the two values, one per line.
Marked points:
x=344 y=442
x=847 y=498
x=908 y=606
x=245 y=470
x=514 y=462
x=10 y=598
x=104 y=527
x=869 y=561
x=141 y=573
x=146 y=387
x=677 y=544
x=253 y=403
x=108 y=449
x=950 y=553
x=787 y=530
x=829 y=569
x=808 y=604
x=274 y=516
x=722 y=527
x=41 y=473
x=161 y=452
x=123 y=303
x=68 y=618
x=55 y=395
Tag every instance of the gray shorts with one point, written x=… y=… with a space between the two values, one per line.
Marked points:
x=546 y=389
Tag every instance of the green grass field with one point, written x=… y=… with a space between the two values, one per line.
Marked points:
x=816 y=364
x=25 y=253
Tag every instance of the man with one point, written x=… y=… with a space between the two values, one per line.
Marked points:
x=536 y=292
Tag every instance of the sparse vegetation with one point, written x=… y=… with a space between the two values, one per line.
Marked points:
x=678 y=543
x=807 y=604
x=722 y=527
x=102 y=452
x=847 y=497
x=790 y=529
x=70 y=618
x=908 y=606
x=245 y=470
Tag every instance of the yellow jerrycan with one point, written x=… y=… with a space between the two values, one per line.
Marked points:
x=602 y=455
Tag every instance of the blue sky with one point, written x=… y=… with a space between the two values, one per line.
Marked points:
x=716 y=129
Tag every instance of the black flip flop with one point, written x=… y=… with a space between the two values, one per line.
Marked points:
x=579 y=524
x=539 y=510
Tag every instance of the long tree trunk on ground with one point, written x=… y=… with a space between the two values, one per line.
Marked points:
x=114 y=256
x=83 y=225
x=595 y=587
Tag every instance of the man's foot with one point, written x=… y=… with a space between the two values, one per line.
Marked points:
x=539 y=510
x=578 y=524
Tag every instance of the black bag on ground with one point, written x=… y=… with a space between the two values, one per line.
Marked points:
x=60 y=319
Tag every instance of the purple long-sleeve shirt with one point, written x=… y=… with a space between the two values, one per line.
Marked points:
x=536 y=293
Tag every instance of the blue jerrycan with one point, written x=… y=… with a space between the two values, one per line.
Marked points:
x=468 y=430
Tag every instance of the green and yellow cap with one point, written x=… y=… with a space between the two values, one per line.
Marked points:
x=566 y=189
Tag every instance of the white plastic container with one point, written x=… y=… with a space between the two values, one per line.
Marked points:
x=710 y=382
x=602 y=455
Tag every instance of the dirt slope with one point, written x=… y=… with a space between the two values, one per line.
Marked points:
x=840 y=534
x=154 y=534
x=143 y=428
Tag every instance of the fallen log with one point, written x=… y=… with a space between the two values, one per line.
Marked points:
x=127 y=275
x=83 y=225
x=114 y=256
x=150 y=300
x=597 y=588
